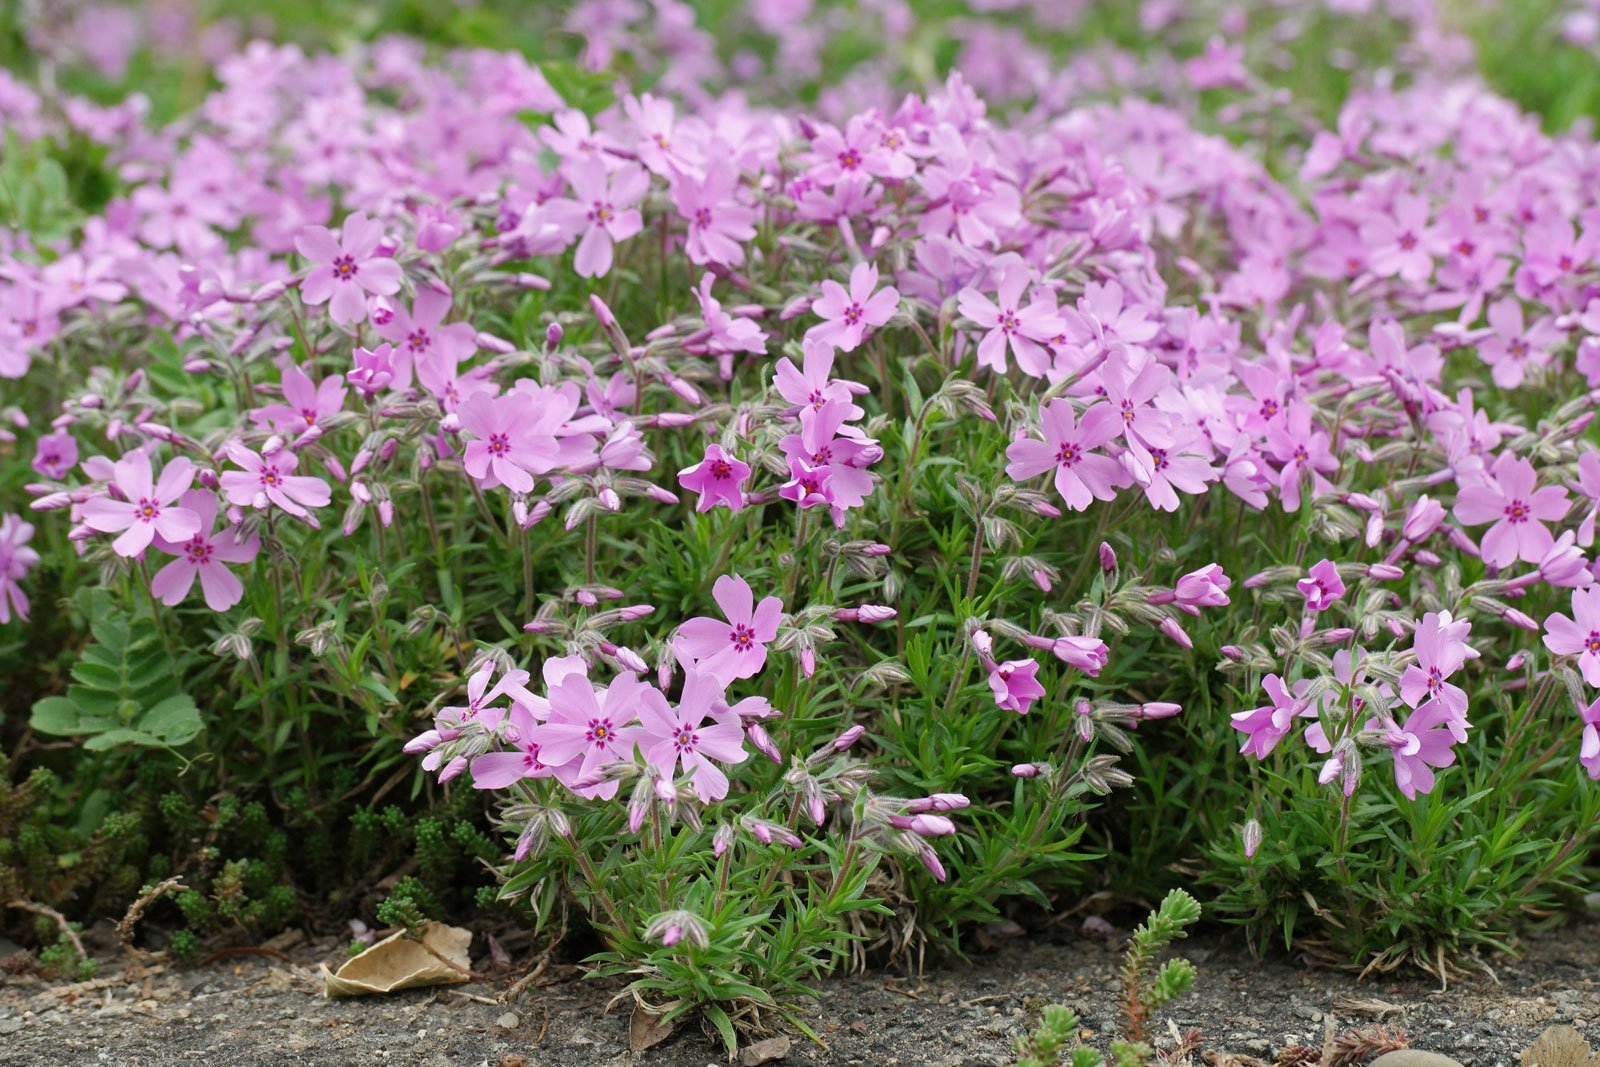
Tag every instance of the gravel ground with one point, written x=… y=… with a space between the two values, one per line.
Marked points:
x=257 y=1009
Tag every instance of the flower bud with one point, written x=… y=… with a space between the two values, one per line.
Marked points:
x=1252 y=838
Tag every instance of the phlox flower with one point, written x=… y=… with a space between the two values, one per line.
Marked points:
x=1172 y=470
x=719 y=479
x=735 y=648
x=1081 y=475
x=1423 y=744
x=374 y=369
x=147 y=507
x=825 y=461
x=1087 y=654
x=702 y=728
x=1016 y=684
x=1506 y=496
x=812 y=385
x=497 y=770
x=1515 y=346
x=1441 y=649
x=270 y=479
x=849 y=314
x=1024 y=329
x=1204 y=588
x=1265 y=726
x=305 y=404
x=420 y=334
x=601 y=208
x=346 y=268
x=507 y=449
x=592 y=727
x=1580 y=635
x=1589 y=486
x=727 y=333
x=205 y=556
x=1589 y=747
x=55 y=454
x=1301 y=449
x=1322 y=585
x=717 y=222
x=16 y=560
x=1400 y=241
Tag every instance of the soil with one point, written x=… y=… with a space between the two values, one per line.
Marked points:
x=268 y=1009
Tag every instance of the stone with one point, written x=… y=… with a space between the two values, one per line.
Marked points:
x=768 y=1051
x=507 y=1021
x=1413 y=1057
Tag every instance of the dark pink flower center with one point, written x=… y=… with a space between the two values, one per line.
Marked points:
x=602 y=212
x=270 y=476
x=1269 y=408
x=702 y=218
x=742 y=637
x=1592 y=642
x=499 y=444
x=199 y=550
x=1068 y=454
x=721 y=469
x=1517 y=511
x=418 y=340
x=849 y=159
x=686 y=739
x=1008 y=321
x=148 y=510
x=600 y=732
x=345 y=268
x=1408 y=241
x=853 y=314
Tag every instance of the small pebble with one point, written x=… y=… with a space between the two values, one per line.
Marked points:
x=507 y=1021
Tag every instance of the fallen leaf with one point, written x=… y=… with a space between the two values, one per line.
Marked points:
x=773 y=1048
x=647 y=1029
x=398 y=962
x=1559 y=1046
x=1368 y=1006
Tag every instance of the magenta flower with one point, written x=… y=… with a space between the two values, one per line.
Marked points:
x=1301 y=449
x=374 y=369
x=420 y=336
x=849 y=314
x=305 y=404
x=1441 y=650
x=1580 y=635
x=719 y=479
x=813 y=385
x=593 y=728
x=736 y=648
x=700 y=729
x=55 y=455
x=1204 y=588
x=718 y=223
x=1266 y=726
x=266 y=480
x=346 y=269
x=1087 y=654
x=1082 y=476
x=1589 y=748
x=1016 y=684
x=508 y=448
x=1322 y=586
x=601 y=208
x=16 y=560
x=1023 y=329
x=497 y=770
x=1506 y=496
x=1516 y=347
x=146 y=507
x=205 y=556
x=1402 y=243
x=1423 y=744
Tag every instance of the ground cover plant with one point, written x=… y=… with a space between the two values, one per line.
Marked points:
x=783 y=525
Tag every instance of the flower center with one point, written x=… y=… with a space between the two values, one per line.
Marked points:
x=600 y=731
x=849 y=159
x=199 y=550
x=1408 y=241
x=344 y=268
x=499 y=444
x=853 y=314
x=149 y=510
x=721 y=469
x=702 y=218
x=1517 y=511
x=1068 y=454
x=1592 y=643
x=418 y=339
x=269 y=476
x=602 y=212
x=743 y=637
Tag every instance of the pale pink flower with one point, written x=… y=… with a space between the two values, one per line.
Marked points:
x=270 y=479
x=1506 y=495
x=345 y=269
x=718 y=478
x=736 y=648
x=205 y=556
x=1081 y=475
x=147 y=507
x=1580 y=635
x=849 y=314
x=702 y=728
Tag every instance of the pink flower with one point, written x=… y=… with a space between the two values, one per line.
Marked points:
x=147 y=508
x=1423 y=744
x=1322 y=587
x=717 y=222
x=736 y=648
x=1081 y=475
x=204 y=555
x=1589 y=749
x=1024 y=330
x=305 y=404
x=718 y=478
x=508 y=448
x=420 y=337
x=602 y=209
x=813 y=385
x=344 y=270
x=593 y=728
x=374 y=369
x=1204 y=588
x=1301 y=448
x=1580 y=635
x=728 y=334
x=1402 y=243
x=1266 y=726
x=1515 y=347
x=848 y=314
x=700 y=729
x=55 y=455
x=1087 y=654
x=268 y=480
x=497 y=770
x=1506 y=496
x=1015 y=684
x=16 y=559
x=1441 y=649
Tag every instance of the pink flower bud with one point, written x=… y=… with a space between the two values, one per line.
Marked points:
x=1170 y=627
x=982 y=642
x=808 y=661
x=1232 y=652
x=1159 y=710
x=1041 y=578
x=1517 y=618
x=721 y=839
x=930 y=860
x=848 y=738
x=671 y=936
x=925 y=825
x=1108 y=557
x=602 y=313
x=635 y=612
x=762 y=742
x=553 y=334
x=1385 y=572
x=1423 y=519
x=1025 y=770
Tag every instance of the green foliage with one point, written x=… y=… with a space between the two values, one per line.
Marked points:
x=1145 y=989
x=1055 y=1037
